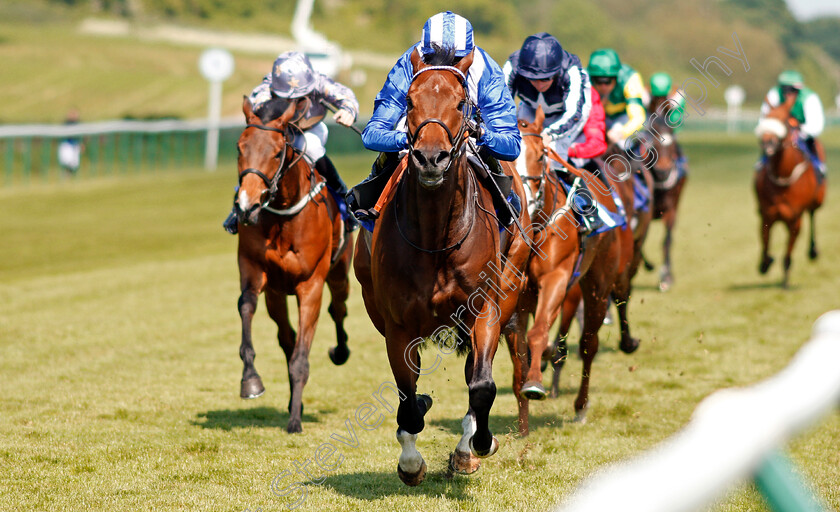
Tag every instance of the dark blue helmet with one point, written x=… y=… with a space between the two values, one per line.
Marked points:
x=541 y=57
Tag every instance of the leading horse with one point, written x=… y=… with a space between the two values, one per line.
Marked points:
x=786 y=185
x=436 y=259
x=290 y=243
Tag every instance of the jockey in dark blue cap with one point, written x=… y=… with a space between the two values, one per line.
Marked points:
x=385 y=132
x=543 y=74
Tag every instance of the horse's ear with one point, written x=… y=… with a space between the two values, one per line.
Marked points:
x=465 y=63
x=248 y=110
x=290 y=113
x=417 y=60
x=539 y=117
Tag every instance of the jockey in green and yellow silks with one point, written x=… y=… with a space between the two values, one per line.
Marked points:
x=622 y=93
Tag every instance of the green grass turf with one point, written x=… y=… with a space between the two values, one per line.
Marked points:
x=119 y=367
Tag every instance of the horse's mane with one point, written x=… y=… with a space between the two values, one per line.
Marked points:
x=441 y=56
x=272 y=109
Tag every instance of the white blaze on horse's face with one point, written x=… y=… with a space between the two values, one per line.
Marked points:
x=522 y=168
x=244 y=200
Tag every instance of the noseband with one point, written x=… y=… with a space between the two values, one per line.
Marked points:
x=457 y=140
x=273 y=182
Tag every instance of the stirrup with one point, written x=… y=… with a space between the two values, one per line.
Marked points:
x=231 y=224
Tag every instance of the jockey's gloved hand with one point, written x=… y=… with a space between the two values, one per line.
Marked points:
x=475 y=129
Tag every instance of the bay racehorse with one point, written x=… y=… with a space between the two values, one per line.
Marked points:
x=290 y=243
x=436 y=259
x=786 y=185
x=562 y=259
x=668 y=183
x=621 y=176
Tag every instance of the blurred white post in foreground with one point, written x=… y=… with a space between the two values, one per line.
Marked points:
x=729 y=438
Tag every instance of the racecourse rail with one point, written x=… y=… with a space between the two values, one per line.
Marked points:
x=734 y=434
x=28 y=153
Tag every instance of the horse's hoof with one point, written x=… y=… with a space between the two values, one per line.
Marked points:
x=665 y=284
x=494 y=447
x=463 y=463
x=289 y=407
x=765 y=265
x=426 y=401
x=251 y=388
x=412 y=479
x=812 y=254
x=631 y=346
x=339 y=354
x=580 y=417
x=533 y=391
x=294 y=427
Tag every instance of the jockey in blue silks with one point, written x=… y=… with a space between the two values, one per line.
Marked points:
x=386 y=132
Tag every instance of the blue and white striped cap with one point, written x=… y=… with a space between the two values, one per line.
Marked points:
x=448 y=30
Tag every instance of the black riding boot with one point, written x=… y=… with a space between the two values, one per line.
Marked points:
x=362 y=198
x=501 y=190
x=231 y=223
x=325 y=168
x=583 y=203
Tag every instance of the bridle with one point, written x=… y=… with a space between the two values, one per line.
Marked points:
x=469 y=109
x=272 y=183
x=455 y=152
x=539 y=197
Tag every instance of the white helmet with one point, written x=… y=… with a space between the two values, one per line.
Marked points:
x=292 y=76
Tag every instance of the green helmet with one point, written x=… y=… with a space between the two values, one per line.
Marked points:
x=604 y=62
x=660 y=84
x=791 y=78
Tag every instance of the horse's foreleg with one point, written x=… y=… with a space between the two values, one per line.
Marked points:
x=252 y=282
x=552 y=291
x=518 y=349
x=278 y=310
x=621 y=296
x=793 y=232
x=485 y=341
x=308 y=296
x=405 y=366
x=766 y=259
x=666 y=280
x=339 y=284
x=561 y=351
x=812 y=249
x=595 y=308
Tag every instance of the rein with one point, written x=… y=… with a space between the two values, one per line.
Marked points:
x=452 y=246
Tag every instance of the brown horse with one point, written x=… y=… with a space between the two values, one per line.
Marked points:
x=438 y=260
x=786 y=186
x=668 y=183
x=599 y=259
x=620 y=175
x=290 y=243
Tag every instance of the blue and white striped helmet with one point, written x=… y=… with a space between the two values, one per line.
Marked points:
x=447 y=29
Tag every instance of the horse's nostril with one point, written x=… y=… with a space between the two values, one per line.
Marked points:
x=419 y=157
x=441 y=158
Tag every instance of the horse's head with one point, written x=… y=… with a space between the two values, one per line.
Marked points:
x=531 y=163
x=774 y=128
x=658 y=140
x=437 y=110
x=264 y=152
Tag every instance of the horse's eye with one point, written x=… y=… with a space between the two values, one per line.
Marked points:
x=461 y=104
x=408 y=103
